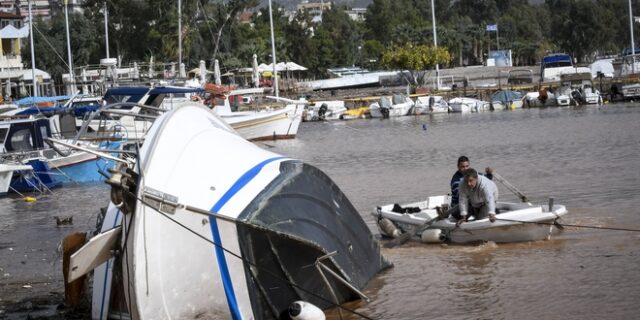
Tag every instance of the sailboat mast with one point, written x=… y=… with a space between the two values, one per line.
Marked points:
x=633 y=46
x=106 y=28
x=72 y=79
x=33 y=57
x=179 y=33
x=273 y=52
x=435 y=42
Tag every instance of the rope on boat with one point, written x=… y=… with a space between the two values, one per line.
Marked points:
x=555 y=223
x=244 y=259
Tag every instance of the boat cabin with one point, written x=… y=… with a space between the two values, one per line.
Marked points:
x=553 y=65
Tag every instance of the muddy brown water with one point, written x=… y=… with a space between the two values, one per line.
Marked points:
x=583 y=157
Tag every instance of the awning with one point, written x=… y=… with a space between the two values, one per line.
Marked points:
x=11 y=32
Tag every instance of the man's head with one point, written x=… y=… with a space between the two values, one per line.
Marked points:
x=463 y=164
x=471 y=178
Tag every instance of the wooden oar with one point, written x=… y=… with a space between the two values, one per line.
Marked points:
x=409 y=234
x=511 y=187
x=522 y=197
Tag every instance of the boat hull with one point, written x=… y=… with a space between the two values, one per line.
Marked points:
x=266 y=220
x=266 y=125
x=6 y=174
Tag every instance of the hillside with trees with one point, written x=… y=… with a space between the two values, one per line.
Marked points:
x=212 y=30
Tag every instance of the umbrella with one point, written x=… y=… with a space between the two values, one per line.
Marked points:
x=183 y=74
x=151 y=68
x=216 y=71
x=203 y=72
x=23 y=89
x=255 y=76
x=7 y=90
x=292 y=66
x=135 y=74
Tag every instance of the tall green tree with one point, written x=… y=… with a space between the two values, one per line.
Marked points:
x=416 y=59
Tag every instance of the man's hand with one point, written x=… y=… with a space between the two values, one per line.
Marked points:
x=459 y=222
x=492 y=217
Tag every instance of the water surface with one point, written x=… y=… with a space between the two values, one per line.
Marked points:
x=583 y=157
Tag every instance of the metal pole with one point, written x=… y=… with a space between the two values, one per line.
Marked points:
x=633 y=48
x=106 y=28
x=497 y=39
x=273 y=52
x=180 y=32
x=72 y=79
x=435 y=42
x=34 y=93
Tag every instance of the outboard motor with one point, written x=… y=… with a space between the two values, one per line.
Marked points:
x=385 y=112
x=577 y=97
x=322 y=111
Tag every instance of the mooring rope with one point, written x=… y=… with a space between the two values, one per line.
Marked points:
x=570 y=225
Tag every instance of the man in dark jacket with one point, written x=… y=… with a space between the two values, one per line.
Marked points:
x=463 y=165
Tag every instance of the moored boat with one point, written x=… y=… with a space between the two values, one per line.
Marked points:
x=515 y=221
x=464 y=105
x=430 y=104
x=395 y=106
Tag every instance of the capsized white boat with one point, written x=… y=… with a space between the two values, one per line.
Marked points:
x=214 y=226
x=515 y=222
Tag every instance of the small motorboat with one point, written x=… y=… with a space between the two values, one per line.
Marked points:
x=430 y=104
x=515 y=222
x=395 y=106
x=325 y=110
x=464 y=105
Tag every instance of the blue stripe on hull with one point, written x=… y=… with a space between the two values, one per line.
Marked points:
x=222 y=262
x=87 y=171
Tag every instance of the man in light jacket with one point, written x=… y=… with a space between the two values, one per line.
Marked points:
x=478 y=197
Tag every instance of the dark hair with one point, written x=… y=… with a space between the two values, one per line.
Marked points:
x=463 y=159
x=471 y=172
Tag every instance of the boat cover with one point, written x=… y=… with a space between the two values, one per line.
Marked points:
x=303 y=204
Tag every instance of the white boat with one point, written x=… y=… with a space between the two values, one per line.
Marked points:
x=6 y=173
x=263 y=124
x=464 y=105
x=554 y=65
x=225 y=229
x=396 y=106
x=325 y=110
x=506 y=99
x=515 y=222
x=430 y=104
x=541 y=98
